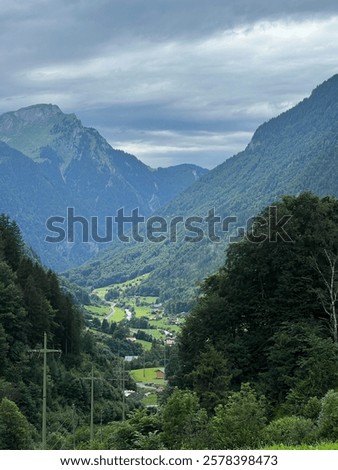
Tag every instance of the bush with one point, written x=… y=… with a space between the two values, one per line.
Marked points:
x=312 y=408
x=328 y=417
x=239 y=423
x=290 y=431
x=184 y=422
x=15 y=430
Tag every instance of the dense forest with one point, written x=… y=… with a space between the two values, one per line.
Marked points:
x=264 y=330
x=255 y=365
x=32 y=303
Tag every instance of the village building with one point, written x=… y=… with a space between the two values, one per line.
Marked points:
x=159 y=374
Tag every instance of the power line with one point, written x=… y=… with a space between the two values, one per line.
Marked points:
x=122 y=380
x=44 y=351
x=92 y=378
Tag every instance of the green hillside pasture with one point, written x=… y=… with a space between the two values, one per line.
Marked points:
x=148 y=300
x=98 y=310
x=156 y=334
x=118 y=315
x=164 y=324
x=150 y=375
x=142 y=312
x=150 y=400
x=145 y=344
x=122 y=286
x=101 y=291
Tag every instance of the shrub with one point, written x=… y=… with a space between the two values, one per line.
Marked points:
x=239 y=423
x=290 y=431
x=328 y=416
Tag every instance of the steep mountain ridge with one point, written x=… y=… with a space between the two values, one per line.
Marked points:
x=83 y=171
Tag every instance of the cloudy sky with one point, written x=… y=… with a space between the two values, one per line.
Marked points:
x=170 y=81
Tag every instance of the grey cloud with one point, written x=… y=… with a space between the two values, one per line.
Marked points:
x=84 y=25
x=132 y=67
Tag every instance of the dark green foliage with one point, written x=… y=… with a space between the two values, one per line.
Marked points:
x=11 y=247
x=290 y=431
x=112 y=294
x=184 y=422
x=105 y=326
x=143 y=336
x=262 y=311
x=79 y=295
x=238 y=424
x=31 y=304
x=141 y=431
x=302 y=364
x=15 y=431
x=142 y=323
x=210 y=379
x=328 y=417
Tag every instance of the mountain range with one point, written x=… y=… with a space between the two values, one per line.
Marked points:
x=49 y=162
x=294 y=152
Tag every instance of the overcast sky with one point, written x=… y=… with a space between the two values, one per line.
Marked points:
x=170 y=81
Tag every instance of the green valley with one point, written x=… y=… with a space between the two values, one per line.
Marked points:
x=226 y=342
x=147 y=332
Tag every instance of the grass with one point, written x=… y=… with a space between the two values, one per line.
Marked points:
x=174 y=328
x=142 y=312
x=150 y=400
x=101 y=310
x=149 y=377
x=121 y=285
x=148 y=300
x=319 y=446
x=118 y=315
x=152 y=332
x=164 y=324
x=101 y=291
x=145 y=344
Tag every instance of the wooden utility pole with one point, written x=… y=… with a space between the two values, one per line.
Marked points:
x=122 y=380
x=44 y=351
x=92 y=407
x=92 y=378
x=73 y=425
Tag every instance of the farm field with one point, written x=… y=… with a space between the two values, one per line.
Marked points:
x=124 y=298
x=146 y=345
x=122 y=287
x=112 y=303
x=156 y=334
x=147 y=375
x=118 y=315
x=98 y=310
x=150 y=399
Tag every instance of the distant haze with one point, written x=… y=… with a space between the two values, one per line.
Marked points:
x=169 y=81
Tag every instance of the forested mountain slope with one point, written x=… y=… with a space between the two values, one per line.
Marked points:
x=293 y=152
x=64 y=164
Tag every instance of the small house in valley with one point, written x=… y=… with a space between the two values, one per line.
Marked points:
x=159 y=374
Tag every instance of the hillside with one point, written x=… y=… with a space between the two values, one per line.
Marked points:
x=69 y=165
x=293 y=152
